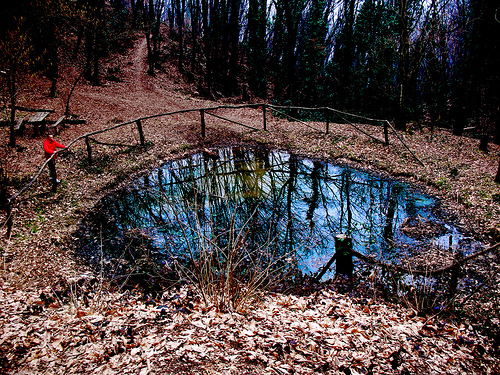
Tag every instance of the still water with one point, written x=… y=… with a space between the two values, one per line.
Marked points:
x=289 y=205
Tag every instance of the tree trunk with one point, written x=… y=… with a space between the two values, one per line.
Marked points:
x=234 y=32
x=208 y=46
x=348 y=54
x=151 y=65
x=289 y=53
x=403 y=66
x=195 y=34
x=79 y=38
x=89 y=51
x=276 y=66
x=11 y=84
x=134 y=13
x=483 y=143
x=343 y=251
x=180 y=25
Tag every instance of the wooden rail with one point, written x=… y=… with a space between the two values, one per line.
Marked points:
x=207 y=110
x=344 y=253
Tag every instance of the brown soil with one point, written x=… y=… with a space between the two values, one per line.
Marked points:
x=35 y=258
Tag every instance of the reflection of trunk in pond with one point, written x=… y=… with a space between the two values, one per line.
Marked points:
x=291 y=185
x=278 y=209
x=248 y=180
x=345 y=196
x=370 y=214
x=268 y=227
x=391 y=204
x=313 y=200
x=263 y=155
x=218 y=182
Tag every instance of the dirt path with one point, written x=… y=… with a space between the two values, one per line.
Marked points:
x=136 y=95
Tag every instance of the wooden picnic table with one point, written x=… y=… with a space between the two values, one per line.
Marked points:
x=37 y=119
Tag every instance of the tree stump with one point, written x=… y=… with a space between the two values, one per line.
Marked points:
x=343 y=251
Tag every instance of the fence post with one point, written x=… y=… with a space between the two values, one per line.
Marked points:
x=386 y=133
x=455 y=272
x=343 y=247
x=202 y=113
x=89 y=150
x=264 y=116
x=141 y=134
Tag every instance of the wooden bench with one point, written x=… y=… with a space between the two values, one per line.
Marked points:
x=59 y=122
x=20 y=125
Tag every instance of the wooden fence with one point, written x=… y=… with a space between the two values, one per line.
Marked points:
x=344 y=251
x=278 y=110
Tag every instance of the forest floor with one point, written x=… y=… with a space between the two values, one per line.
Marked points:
x=57 y=316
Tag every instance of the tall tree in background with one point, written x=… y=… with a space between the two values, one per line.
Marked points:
x=284 y=53
x=484 y=66
x=153 y=17
x=346 y=49
x=257 y=47
x=340 y=67
x=207 y=44
x=194 y=8
x=47 y=20
x=214 y=24
x=235 y=7
x=92 y=11
x=277 y=39
x=493 y=64
x=181 y=9
x=312 y=53
x=375 y=37
x=461 y=66
x=434 y=71
x=403 y=65
x=221 y=23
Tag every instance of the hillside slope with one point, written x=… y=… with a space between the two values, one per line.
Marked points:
x=50 y=323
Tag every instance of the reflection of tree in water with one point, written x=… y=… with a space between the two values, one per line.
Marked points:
x=296 y=206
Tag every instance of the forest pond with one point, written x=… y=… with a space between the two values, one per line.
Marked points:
x=291 y=206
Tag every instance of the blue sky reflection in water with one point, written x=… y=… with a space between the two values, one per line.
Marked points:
x=297 y=205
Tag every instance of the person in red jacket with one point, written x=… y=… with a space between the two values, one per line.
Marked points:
x=50 y=146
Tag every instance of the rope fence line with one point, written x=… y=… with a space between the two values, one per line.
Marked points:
x=293 y=118
x=403 y=142
x=87 y=137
